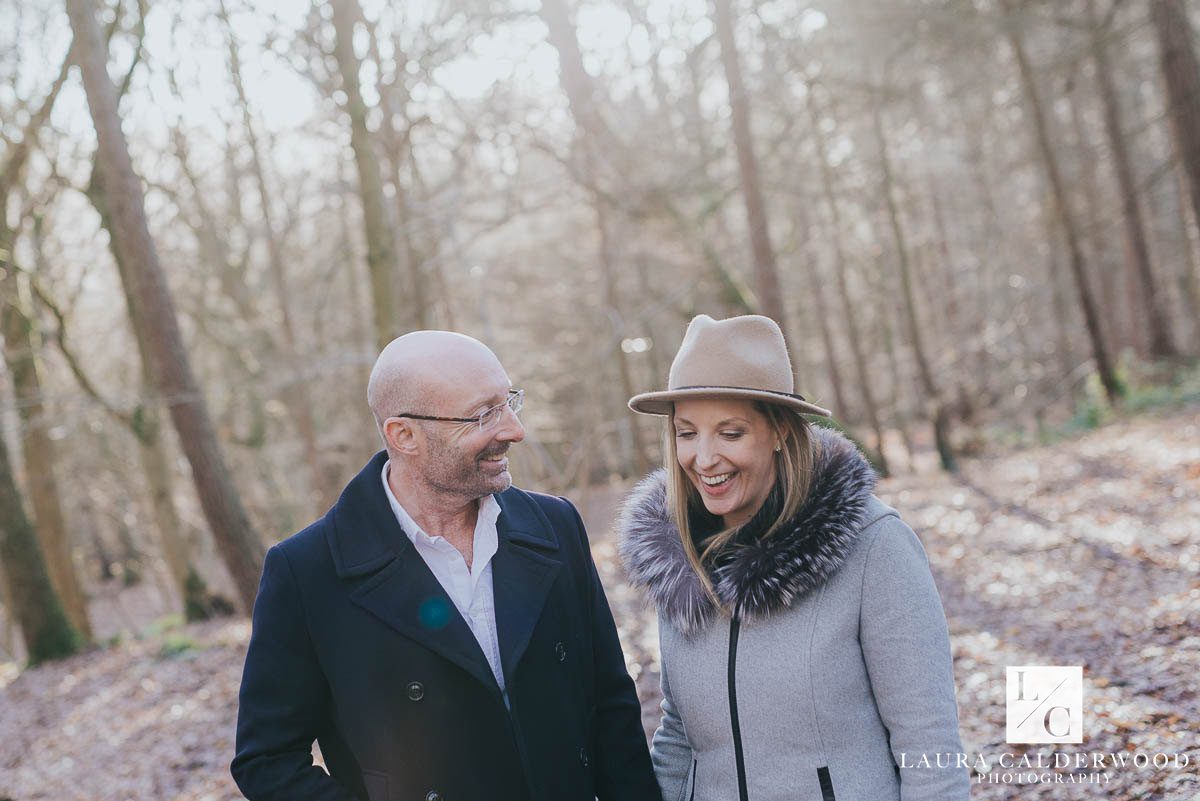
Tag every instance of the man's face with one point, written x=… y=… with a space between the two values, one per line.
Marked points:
x=460 y=459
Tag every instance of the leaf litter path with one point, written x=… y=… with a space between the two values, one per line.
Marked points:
x=1082 y=553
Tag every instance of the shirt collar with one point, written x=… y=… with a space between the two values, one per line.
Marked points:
x=486 y=535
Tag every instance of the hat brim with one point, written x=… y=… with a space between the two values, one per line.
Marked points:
x=661 y=403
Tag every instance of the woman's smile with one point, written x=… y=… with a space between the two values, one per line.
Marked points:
x=727 y=448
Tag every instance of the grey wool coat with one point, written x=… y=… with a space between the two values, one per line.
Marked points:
x=828 y=678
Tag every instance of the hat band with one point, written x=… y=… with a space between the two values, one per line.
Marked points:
x=794 y=395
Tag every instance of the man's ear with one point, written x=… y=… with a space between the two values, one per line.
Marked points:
x=401 y=435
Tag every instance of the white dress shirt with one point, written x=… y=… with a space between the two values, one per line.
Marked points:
x=469 y=589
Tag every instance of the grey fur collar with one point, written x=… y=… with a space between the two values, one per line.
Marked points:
x=760 y=577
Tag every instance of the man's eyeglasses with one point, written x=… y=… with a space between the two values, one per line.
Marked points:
x=486 y=420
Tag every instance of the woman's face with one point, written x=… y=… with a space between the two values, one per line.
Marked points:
x=727 y=449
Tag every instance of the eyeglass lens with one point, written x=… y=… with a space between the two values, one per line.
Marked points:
x=492 y=416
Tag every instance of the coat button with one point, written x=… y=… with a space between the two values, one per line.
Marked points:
x=561 y=650
x=583 y=757
x=433 y=795
x=416 y=691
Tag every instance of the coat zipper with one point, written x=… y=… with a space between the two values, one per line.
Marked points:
x=734 y=627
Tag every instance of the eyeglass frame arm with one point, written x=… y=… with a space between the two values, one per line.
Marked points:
x=514 y=393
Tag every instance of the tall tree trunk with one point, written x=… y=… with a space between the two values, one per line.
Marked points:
x=144 y=423
x=1162 y=343
x=1104 y=365
x=1059 y=307
x=8 y=636
x=1189 y=268
x=649 y=321
x=987 y=270
x=21 y=351
x=1109 y=279
x=1181 y=74
x=240 y=546
x=199 y=602
x=815 y=283
x=637 y=462
x=766 y=275
x=966 y=400
x=47 y=631
x=592 y=133
x=736 y=297
x=939 y=414
x=397 y=150
x=382 y=263
x=21 y=344
x=878 y=284
x=841 y=271
x=296 y=396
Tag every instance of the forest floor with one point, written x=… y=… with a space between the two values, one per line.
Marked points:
x=1085 y=552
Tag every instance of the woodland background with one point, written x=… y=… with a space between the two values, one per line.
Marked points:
x=976 y=221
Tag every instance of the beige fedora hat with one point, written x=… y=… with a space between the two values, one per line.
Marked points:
x=740 y=357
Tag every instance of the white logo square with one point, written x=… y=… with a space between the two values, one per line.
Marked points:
x=1045 y=704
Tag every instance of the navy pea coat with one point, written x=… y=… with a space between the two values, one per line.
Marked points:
x=356 y=645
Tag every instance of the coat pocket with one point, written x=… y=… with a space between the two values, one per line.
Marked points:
x=826 y=784
x=690 y=781
x=376 y=784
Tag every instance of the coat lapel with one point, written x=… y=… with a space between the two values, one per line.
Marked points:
x=408 y=597
x=391 y=580
x=523 y=571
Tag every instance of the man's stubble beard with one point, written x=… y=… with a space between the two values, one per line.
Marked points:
x=452 y=469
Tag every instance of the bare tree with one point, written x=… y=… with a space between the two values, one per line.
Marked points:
x=766 y=274
x=296 y=396
x=47 y=632
x=382 y=262
x=1162 y=343
x=939 y=413
x=1011 y=22
x=591 y=134
x=22 y=347
x=1181 y=74
x=240 y=546
x=21 y=351
x=841 y=270
x=144 y=422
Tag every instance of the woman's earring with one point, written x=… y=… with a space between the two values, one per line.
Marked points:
x=778 y=447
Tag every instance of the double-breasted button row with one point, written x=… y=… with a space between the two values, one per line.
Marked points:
x=416 y=691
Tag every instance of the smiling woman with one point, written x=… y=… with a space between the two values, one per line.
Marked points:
x=782 y=583
x=726 y=448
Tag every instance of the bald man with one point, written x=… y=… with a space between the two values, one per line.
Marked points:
x=440 y=633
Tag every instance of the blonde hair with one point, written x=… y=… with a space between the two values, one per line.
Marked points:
x=793 y=475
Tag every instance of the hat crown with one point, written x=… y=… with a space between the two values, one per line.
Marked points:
x=747 y=352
